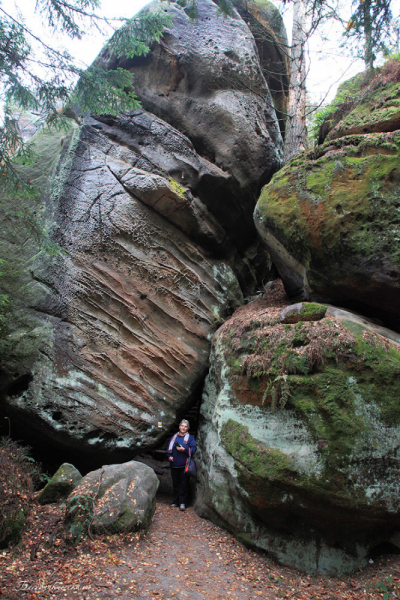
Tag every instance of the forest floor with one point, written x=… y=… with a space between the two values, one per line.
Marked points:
x=180 y=556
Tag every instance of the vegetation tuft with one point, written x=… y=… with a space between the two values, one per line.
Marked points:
x=80 y=511
x=18 y=475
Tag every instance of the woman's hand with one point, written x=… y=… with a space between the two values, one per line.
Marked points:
x=171 y=459
x=180 y=449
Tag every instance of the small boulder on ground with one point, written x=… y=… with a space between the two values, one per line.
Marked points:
x=113 y=499
x=64 y=480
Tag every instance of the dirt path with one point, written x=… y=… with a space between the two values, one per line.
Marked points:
x=180 y=557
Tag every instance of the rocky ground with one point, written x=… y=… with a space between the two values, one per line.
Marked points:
x=181 y=556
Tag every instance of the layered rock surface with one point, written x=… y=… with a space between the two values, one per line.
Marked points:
x=152 y=211
x=128 y=310
x=331 y=217
x=299 y=447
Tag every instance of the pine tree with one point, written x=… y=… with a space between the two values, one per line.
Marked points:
x=24 y=86
x=369 y=28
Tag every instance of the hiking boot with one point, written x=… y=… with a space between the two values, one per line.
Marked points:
x=182 y=507
x=173 y=505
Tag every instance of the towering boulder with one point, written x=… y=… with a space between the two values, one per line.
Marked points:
x=204 y=78
x=152 y=212
x=123 y=317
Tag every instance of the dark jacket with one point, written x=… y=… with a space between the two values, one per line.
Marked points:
x=180 y=457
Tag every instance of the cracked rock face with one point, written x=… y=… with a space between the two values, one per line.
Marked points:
x=205 y=79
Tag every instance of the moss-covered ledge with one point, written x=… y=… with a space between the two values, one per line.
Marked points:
x=336 y=212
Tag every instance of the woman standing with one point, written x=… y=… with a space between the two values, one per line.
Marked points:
x=179 y=447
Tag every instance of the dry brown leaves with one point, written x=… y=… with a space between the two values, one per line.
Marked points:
x=180 y=557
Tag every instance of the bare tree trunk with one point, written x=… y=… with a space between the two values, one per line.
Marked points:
x=296 y=132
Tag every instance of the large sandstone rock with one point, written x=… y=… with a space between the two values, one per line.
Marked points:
x=330 y=221
x=113 y=499
x=299 y=438
x=153 y=213
x=122 y=319
x=204 y=77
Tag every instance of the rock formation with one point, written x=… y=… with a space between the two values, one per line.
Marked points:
x=299 y=446
x=205 y=79
x=113 y=499
x=330 y=217
x=153 y=213
x=64 y=480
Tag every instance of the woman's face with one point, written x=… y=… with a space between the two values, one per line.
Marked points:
x=183 y=428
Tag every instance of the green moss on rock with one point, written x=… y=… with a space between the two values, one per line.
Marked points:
x=60 y=485
x=263 y=462
x=329 y=375
x=304 y=311
x=378 y=111
x=305 y=438
x=338 y=210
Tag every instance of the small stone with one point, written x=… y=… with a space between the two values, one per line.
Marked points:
x=64 y=480
x=303 y=311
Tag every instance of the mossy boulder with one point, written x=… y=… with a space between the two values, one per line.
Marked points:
x=303 y=311
x=64 y=480
x=299 y=439
x=330 y=219
x=113 y=499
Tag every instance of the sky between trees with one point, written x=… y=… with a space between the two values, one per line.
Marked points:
x=328 y=63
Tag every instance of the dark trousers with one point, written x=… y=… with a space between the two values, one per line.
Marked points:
x=179 y=484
